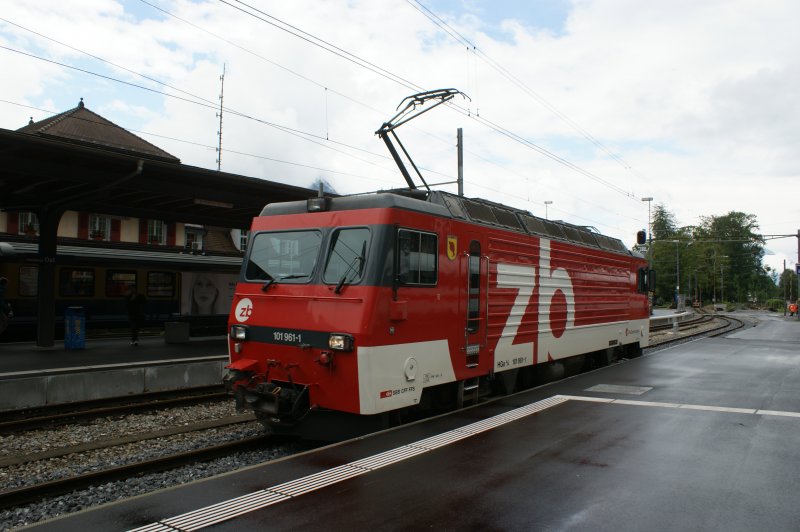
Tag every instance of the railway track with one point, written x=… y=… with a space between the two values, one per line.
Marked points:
x=707 y=325
x=122 y=440
x=694 y=322
x=62 y=414
x=26 y=494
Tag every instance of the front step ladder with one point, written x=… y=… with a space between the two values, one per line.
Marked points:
x=468 y=392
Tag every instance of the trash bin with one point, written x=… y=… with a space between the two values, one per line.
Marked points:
x=74 y=328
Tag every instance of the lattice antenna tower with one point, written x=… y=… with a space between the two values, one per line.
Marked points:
x=219 y=114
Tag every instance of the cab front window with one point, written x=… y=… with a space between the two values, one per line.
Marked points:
x=347 y=255
x=286 y=256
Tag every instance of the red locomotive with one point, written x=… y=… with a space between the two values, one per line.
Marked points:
x=354 y=313
x=371 y=307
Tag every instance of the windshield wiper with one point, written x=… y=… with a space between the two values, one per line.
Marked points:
x=279 y=278
x=351 y=268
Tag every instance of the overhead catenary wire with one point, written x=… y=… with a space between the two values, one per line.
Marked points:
x=452 y=32
x=190 y=97
x=325 y=45
x=321 y=43
x=258 y=56
x=310 y=136
x=305 y=135
x=540 y=149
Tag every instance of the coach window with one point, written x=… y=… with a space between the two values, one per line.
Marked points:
x=28 y=281
x=417 y=258
x=347 y=255
x=118 y=282
x=474 y=286
x=160 y=284
x=76 y=282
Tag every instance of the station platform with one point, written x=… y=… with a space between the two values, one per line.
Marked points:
x=32 y=377
x=26 y=356
x=701 y=436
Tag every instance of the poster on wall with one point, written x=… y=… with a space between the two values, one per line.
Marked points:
x=206 y=294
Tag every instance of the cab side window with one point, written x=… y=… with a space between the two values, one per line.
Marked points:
x=417 y=258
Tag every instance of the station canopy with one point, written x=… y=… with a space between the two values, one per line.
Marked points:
x=79 y=161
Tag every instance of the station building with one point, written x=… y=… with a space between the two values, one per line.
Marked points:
x=75 y=189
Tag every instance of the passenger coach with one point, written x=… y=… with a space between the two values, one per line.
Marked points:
x=361 y=311
x=96 y=278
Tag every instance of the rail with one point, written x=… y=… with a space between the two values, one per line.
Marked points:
x=61 y=414
x=23 y=495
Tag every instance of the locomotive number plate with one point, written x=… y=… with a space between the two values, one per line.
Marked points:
x=296 y=337
x=287 y=337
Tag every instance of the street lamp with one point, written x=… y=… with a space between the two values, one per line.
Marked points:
x=722 y=278
x=678 y=272
x=546 y=203
x=649 y=227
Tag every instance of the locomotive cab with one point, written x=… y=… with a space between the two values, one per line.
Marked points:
x=319 y=282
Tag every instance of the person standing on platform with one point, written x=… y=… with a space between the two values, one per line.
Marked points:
x=5 y=307
x=135 y=303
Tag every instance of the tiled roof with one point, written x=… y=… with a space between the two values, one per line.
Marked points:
x=219 y=240
x=82 y=126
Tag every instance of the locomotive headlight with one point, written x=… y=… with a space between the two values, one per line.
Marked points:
x=238 y=332
x=340 y=342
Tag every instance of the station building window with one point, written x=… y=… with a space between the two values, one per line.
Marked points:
x=99 y=227
x=194 y=237
x=28 y=223
x=156 y=232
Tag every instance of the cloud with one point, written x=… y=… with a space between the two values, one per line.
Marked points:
x=696 y=99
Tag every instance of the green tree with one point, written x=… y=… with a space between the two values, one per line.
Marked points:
x=661 y=252
x=719 y=258
x=787 y=285
x=735 y=253
x=664 y=224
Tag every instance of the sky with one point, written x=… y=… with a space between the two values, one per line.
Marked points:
x=589 y=104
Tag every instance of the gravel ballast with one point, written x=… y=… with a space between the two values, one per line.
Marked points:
x=36 y=441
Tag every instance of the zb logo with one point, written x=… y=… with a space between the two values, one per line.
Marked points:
x=244 y=309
